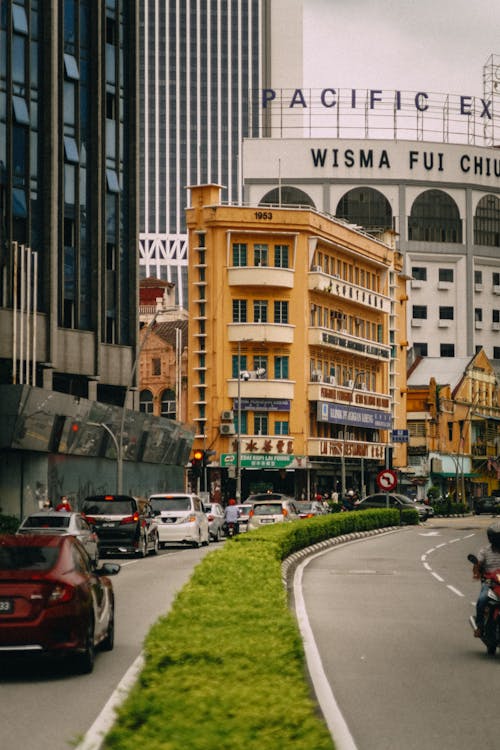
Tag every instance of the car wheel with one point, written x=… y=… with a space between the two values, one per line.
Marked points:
x=109 y=640
x=85 y=660
x=142 y=550
x=217 y=536
x=197 y=542
x=156 y=545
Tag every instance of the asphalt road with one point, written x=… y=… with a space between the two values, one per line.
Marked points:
x=43 y=706
x=389 y=616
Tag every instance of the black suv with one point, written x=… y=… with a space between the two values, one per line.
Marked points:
x=121 y=525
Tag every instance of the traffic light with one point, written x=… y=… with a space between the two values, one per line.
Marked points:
x=197 y=462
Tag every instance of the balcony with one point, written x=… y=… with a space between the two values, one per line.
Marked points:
x=266 y=276
x=278 y=333
x=331 y=448
x=345 y=342
x=275 y=389
x=338 y=288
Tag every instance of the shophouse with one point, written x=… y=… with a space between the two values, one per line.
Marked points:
x=454 y=427
x=297 y=348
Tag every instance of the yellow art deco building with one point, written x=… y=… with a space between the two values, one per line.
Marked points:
x=297 y=350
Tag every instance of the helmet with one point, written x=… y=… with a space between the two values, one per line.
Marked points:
x=351 y=493
x=232 y=502
x=493 y=533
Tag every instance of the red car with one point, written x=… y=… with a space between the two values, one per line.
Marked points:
x=52 y=600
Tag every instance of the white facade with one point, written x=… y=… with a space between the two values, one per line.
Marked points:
x=454 y=295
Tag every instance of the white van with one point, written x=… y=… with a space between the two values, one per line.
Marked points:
x=180 y=518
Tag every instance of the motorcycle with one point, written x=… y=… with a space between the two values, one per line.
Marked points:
x=232 y=528
x=491 y=628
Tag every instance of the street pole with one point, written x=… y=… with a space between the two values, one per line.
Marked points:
x=119 y=450
x=238 y=437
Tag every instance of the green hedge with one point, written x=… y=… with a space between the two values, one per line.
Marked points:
x=443 y=508
x=225 y=669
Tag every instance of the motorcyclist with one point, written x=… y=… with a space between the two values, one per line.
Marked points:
x=231 y=515
x=349 y=500
x=488 y=560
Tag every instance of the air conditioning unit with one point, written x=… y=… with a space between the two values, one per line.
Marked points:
x=227 y=429
x=332 y=380
x=227 y=416
x=316 y=376
x=349 y=383
x=318 y=269
x=364 y=387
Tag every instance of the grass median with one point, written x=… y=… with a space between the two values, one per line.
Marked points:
x=225 y=669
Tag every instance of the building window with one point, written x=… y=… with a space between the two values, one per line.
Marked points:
x=419 y=274
x=260 y=363
x=367 y=208
x=496 y=352
x=419 y=312
x=146 y=402
x=495 y=316
x=446 y=275
x=281 y=427
x=478 y=277
x=447 y=350
x=239 y=311
x=261 y=423
x=281 y=312
x=168 y=404
x=487 y=222
x=243 y=429
x=446 y=313
x=435 y=218
x=420 y=349
x=478 y=314
x=281 y=256
x=238 y=365
x=260 y=311
x=281 y=368
x=496 y=279
x=156 y=366
x=261 y=255
x=239 y=254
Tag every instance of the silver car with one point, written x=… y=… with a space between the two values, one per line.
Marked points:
x=180 y=518
x=215 y=515
x=55 y=522
x=275 y=508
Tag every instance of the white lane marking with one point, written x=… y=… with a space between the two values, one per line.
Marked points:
x=427 y=566
x=430 y=550
x=331 y=711
x=455 y=591
x=424 y=557
x=441 y=580
x=94 y=737
x=430 y=533
x=452 y=541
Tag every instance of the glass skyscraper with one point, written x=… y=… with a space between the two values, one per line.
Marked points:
x=199 y=61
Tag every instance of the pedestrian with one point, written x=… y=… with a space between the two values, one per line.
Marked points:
x=47 y=505
x=64 y=504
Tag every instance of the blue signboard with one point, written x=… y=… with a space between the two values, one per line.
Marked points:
x=347 y=414
x=400 y=436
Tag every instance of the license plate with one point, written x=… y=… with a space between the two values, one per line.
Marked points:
x=108 y=525
x=6 y=606
x=169 y=520
x=267 y=520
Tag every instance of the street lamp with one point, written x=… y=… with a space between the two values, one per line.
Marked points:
x=119 y=442
x=238 y=436
x=342 y=458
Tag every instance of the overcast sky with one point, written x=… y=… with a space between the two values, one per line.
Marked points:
x=412 y=45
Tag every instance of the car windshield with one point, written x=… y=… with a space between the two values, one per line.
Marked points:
x=264 y=496
x=304 y=505
x=28 y=558
x=267 y=509
x=50 y=521
x=244 y=509
x=171 y=503
x=108 y=507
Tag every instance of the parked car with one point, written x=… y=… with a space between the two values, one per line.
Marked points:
x=308 y=509
x=244 y=509
x=487 y=504
x=121 y=524
x=396 y=500
x=52 y=601
x=265 y=512
x=52 y=522
x=180 y=519
x=215 y=516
